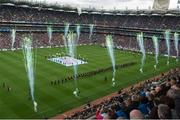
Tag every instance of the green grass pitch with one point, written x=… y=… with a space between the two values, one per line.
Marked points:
x=53 y=100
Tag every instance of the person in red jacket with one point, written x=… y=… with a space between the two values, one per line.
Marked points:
x=98 y=114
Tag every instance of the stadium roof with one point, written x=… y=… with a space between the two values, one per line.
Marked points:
x=106 y=4
x=108 y=7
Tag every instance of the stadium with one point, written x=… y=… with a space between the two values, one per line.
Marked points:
x=99 y=61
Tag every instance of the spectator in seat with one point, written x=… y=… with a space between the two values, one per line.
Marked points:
x=133 y=104
x=174 y=93
x=98 y=114
x=170 y=102
x=136 y=114
x=173 y=81
x=111 y=114
x=143 y=106
x=164 y=111
x=153 y=113
x=120 y=113
x=150 y=97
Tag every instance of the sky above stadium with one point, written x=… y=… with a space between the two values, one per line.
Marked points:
x=108 y=4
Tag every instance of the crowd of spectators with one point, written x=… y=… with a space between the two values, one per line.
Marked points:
x=13 y=13
x=130 y=43
x=41 y=39
x=123 y=42
x=156 y=98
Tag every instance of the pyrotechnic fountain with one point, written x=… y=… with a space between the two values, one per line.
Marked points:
x=91 y=27
x=176 y=42
x=79 y=10
x=78 y=32
x=142 y=49
x=29 y=60
x=66 y=29
x=71 y=37
x=156 y=47
x=167 y=37
x=110 y=48
x=13 y=38
x=49 y=31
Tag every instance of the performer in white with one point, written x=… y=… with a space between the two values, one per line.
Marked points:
x=76 y=92
x=141 y=70
x=35 y=106
x=113 y=82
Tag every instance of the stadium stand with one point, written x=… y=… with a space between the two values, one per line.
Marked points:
x=124 y=28
x=155 y=98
